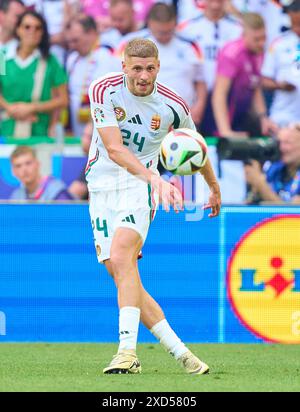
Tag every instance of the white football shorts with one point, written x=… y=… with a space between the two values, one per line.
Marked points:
x=133 y=208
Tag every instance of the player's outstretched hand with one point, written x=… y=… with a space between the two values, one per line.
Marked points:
x=168 y=194
x=214 y=203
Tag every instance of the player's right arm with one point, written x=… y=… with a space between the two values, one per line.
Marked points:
x=112 y=140
x=118 y=153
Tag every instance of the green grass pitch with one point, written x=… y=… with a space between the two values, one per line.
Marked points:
x=78 y=367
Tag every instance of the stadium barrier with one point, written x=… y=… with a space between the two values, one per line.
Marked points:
x=65 y=161
x=235 y=278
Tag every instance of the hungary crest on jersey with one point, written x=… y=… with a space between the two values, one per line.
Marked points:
x=155 y=122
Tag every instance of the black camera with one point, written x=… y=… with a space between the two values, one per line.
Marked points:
x=261 y=149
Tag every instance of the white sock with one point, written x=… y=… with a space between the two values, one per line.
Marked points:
x=129 y=319
x=168 y=338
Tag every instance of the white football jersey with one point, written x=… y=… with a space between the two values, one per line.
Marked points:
x=282 y=63
x=210 y=37
x=143 y=122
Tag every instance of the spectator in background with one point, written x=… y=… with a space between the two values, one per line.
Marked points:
x=122 y=19
x=55 y=13
x=34 y=86
x=10 y=11
x=275 y=18
x=281 y=71
x=181 y=61
x=211 y=30
x=186 y=9
x=281 y=182
x=26 y=168
x=78 y=188
x=96 y=9
x=87 y=61
x=100 y=11
x=238 y=103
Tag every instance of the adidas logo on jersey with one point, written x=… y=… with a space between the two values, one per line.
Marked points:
x=136 y=120
x=129 y=219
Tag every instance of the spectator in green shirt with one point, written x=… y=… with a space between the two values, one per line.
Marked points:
x=34 y=86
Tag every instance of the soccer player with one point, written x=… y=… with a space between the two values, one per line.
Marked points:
x=131 y=114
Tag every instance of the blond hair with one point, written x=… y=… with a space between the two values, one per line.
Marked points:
x=22 y=150
x=141 y=48
x=253 y=21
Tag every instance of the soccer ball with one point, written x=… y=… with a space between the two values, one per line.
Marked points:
x=183 y=151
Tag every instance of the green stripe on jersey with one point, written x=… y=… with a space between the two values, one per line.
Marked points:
x=176 y=122
x=149 y=202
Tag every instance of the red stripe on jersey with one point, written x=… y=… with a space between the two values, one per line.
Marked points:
x=153 y=212
x=104 y=81
x=173 y=98
x=106 y=86
x=110 y=82
x=170 y=93
x=166 y=89
x=99 y=84
x=92 y=160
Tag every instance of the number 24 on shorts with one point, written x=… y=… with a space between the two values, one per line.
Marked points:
x=100 y=226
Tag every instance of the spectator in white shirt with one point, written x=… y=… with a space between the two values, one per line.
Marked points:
x=281 y=71
x=181 y=60
x=87 y=61
x=10 y=11
x=186 y=9
x=54 y=12
x=211 y=30
x=122 y=20
x=271 y=11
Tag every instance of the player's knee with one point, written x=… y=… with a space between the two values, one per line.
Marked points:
x=119 y=263
x=122 y=268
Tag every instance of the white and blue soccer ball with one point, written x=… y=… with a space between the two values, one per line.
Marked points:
x=183 y=151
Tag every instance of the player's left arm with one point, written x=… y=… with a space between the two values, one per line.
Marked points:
x=214 y=200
